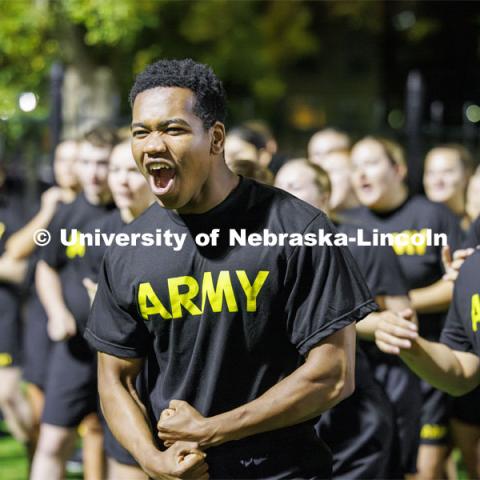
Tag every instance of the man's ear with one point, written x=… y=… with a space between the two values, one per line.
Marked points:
x=217 y=138
x=401 y=170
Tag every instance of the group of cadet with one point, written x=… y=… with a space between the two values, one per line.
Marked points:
x=417 y=365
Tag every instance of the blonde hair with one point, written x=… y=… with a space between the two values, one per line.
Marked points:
x=393 y=151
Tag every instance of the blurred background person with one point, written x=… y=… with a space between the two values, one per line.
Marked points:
x=337 y=165
x=473 y=196
x=13 y=404
x=379 y=171
x=244 y=143
x=446 y=175
x=70 y=386
x=36 y=342
x=251 y=169
x=132 y=196
x=361 y=430
x=326 y=141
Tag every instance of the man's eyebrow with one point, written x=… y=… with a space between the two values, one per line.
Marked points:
x=164 y=124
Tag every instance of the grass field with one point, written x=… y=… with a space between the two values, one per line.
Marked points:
x=13 y=459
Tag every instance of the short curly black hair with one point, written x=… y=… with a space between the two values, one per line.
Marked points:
x=210 y=105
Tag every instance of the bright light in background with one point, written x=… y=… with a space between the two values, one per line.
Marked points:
x=27 y=102
x=473 y=113
x=404 y=20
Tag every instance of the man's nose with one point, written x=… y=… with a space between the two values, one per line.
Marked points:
x=155 y=144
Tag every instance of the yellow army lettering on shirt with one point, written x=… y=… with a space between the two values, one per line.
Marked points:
x=2 y=229
x=410 y=242
x=75 y=246
x=216 y=295
x=475 y=311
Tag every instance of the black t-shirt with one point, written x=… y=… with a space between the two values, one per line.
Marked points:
x=421 y=265
x=108 y=224
x=384 y=277
x=221 y=325
x=462 y=327
x=473 y=235
x=379 y=265
x=11 y=220
x=65 y=259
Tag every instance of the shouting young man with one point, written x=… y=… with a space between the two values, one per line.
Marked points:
x=242 y=347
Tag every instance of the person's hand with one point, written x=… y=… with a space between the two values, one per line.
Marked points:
x=91 y=288
x=452 y=265
x=61 y=325
x=51 y=197
x=396 y=332
x=181 y=460
x=182 y=422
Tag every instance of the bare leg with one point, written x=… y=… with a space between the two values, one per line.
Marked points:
x=93 y=453
x=14 y=405
x=36 y=399
x=466 y=437
x=55 y=445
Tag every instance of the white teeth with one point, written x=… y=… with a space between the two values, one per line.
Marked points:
x=158 y=167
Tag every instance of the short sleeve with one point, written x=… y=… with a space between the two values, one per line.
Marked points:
x=112 y=325
x=453 y=333
x=326 y=291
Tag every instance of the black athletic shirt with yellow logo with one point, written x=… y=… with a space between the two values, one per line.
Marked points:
x=421 y=264
x=221 y=325
x=63 y=258
x=462 y=327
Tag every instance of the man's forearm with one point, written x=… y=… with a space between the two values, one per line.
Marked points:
x=12 y=271
x=432 y=299
x=49 y=288
x=130 y=428
x=366 y=327
x=438 y=365
x=303 y=395
x=20 y=244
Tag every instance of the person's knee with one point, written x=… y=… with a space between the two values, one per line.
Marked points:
x=55 y=441
x=10 y=382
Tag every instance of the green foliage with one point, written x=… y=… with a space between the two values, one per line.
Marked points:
x=249 y=43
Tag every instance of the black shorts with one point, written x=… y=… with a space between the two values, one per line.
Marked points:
x=436 y=413
x=71 y=386
x=10 y=346
x=360 y=432
x=403 y=390
x=289 y=458
x=36 y=343
x=466 y=408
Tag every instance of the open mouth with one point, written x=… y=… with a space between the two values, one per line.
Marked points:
x=366 y=187
x=162 y=175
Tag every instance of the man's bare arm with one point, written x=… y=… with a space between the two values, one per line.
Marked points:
x=326 y=378
x=11 y=270
x=61 y=323
x=126 y=417
x=432 y=299
x=20 y=244
x=388 y=303
x=449 y=370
